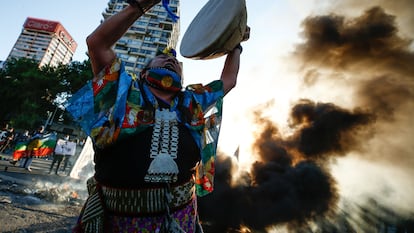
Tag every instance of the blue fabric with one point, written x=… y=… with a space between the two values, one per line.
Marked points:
x=81 y=107
x=173 y=16
x=121 y=98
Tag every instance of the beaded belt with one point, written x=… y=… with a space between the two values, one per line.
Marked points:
x=146 y=201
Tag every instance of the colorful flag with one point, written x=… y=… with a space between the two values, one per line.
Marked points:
x=20 y=150
x=43 y=146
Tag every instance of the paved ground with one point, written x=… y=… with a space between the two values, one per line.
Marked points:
x=39 y=175
x=37 y=201
x=39 y=166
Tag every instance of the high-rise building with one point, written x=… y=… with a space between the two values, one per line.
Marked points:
x=151 y=32
x=45 y=41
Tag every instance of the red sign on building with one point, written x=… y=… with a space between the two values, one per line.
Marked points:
x=51 y=26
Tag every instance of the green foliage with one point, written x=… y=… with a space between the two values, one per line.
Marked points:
x=29 y=93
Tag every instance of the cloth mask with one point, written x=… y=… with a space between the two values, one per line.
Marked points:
x=164 y=79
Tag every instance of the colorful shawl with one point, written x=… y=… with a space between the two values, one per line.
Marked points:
x=114 y=108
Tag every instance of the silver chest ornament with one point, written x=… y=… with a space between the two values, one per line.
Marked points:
x=164 y=147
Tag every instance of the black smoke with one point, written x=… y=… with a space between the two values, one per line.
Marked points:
x=367 y=48
x=291 y=183
x=369 y=54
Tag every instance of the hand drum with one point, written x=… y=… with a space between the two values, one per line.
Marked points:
x=216 y=30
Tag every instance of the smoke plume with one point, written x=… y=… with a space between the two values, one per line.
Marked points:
x=291 y=182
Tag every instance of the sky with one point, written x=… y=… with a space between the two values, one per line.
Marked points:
x=81 y=17
x=325 y=87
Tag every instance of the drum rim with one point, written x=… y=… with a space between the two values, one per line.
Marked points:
x=213 y=47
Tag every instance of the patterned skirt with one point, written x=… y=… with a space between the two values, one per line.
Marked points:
x=185 y=217
x=112 y=210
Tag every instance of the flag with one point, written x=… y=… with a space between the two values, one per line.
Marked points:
x=43 y=146
x=20 y=150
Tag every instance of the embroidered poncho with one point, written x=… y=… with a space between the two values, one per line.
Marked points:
x=113 y=108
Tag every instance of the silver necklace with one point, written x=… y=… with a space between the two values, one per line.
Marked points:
x=164 y=148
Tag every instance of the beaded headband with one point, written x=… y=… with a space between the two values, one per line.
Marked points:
x=167 y=51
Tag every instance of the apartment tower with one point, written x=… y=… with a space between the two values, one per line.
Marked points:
x=45 y=41
x=152 y=32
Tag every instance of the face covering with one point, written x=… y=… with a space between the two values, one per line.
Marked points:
x=164 y=79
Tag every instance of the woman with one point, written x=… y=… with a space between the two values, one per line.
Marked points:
x=154 y=144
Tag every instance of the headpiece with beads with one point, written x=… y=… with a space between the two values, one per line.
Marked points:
x=164 y=79
x=167 y=51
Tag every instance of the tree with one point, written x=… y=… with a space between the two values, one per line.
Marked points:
x=29 y=93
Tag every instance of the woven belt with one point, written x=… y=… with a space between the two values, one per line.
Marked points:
x=146 y=201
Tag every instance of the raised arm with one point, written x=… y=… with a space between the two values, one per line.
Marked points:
x=231 y=66
x=101 y=40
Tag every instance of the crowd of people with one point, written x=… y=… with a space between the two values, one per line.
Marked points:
x=24 y=147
